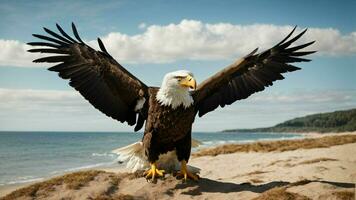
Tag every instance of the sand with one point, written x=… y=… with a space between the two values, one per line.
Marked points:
x=316 y=173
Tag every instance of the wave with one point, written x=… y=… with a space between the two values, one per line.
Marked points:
x=25 y=179
x=73 y=169
x=212 y=143
x=90 y=166
x=111 y=155
x=281 y=138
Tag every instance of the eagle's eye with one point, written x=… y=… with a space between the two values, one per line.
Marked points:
x=179 y=78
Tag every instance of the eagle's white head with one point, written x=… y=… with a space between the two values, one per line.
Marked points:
x=175 y=89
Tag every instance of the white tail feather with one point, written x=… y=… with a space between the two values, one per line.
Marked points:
x=134 y=155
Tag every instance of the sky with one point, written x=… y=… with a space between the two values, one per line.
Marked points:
x=152 y=38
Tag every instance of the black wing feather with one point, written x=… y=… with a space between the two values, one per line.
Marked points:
x=49 y=39
x=76 y=33
x=102 y=47
x=44 y=44
x=57 y=36
x=58 y=51
x=65 y=34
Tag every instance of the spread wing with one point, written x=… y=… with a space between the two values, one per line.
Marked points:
x=249 y=75
x=95 y=74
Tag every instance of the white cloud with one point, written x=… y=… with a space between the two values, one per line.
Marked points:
x=191 y=39
x=27 y=109
x=317 y=97
x=142 y=25
x=14 y=53
x=48 y=110
x=30 y=100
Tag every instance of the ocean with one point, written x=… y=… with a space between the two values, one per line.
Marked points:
x=33 y=156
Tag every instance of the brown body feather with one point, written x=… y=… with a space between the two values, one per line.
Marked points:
x=114 y=91
x=166 y=128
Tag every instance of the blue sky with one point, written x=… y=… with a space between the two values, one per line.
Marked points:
x=151 y=38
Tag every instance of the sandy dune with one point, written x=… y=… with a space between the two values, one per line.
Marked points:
x=316 y=173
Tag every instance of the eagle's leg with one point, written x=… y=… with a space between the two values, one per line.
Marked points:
x=185 y=173
x=153 y=172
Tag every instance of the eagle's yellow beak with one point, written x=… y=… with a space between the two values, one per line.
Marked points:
x=189 y=82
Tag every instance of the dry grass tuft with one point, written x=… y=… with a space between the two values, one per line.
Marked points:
x=125 y=197
x=284 y=145
x=255 y=172
x=280 y=193
x=344 y=195
x=77 y=180
x=73 y=181
x=256 y=180
x=117 y=197
x=317 y=160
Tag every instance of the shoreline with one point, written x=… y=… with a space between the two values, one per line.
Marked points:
x=115 y=167
x=8 y=188
x=197 y=161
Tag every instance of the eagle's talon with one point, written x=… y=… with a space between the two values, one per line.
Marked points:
x=153 y=172
x=185 y=173
x=188 y=175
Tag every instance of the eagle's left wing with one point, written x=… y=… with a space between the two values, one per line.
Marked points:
x=96 y=75
x=249 y=75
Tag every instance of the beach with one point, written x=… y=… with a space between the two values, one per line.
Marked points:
x=325 y=171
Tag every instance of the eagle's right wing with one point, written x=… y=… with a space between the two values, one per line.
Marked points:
x=96 y=75
x=249 y=75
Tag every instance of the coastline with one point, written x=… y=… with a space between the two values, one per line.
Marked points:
x=255 y=168
x=7 y=189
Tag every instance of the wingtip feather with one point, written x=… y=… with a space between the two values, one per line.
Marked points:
x=64 y=33
x=76 y=34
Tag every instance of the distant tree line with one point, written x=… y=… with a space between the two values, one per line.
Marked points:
x=338 y=121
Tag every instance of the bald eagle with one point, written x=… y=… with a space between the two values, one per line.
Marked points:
x=167 y=111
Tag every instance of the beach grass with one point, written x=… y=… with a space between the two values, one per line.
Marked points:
x=280 y=193
x=344 y=195
x=73 y=181
x=281 y=145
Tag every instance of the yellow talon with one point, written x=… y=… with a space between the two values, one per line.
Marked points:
x=185 y=173
x=153 y=172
